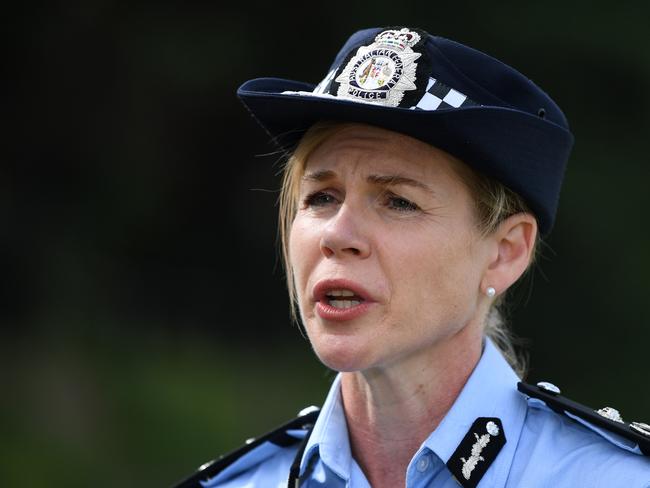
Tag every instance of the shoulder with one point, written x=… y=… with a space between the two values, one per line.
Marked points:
x=262 y=461
x=568 y=444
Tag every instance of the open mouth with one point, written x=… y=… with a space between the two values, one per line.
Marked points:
x=342 y=299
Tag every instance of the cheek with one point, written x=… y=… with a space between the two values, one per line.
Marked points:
x=434 y=277
x=303 y=251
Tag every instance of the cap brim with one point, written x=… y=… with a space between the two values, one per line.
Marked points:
x=507 y=144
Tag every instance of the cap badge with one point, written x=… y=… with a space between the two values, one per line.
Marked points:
x=381 y=72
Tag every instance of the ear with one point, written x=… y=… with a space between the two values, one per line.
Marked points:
x=514 y=241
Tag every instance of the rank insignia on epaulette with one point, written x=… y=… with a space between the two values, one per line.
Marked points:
x=477 y=451
x=280 y=437
x=607 y=418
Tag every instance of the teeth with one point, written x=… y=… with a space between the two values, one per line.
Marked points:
x=342 y=298
x=340 y=293
x=344 y=303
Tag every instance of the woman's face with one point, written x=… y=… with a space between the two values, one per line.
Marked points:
x=386 y=255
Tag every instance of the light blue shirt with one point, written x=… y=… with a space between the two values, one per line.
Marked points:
x=543 y=449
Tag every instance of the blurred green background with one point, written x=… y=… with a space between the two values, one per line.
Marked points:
x=144 y=317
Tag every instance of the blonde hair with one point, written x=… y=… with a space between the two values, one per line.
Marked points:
x=493 y=201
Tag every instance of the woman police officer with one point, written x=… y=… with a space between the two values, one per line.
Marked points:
x=423 y=173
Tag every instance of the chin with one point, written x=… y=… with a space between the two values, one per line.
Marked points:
x=341 y=363
x=344 y=354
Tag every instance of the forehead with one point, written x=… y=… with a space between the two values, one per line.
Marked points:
x=362 y=148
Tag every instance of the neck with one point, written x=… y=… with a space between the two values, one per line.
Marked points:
x=391 y=410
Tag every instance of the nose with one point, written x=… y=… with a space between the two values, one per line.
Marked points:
x=344 y=236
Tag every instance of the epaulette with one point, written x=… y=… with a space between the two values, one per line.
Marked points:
x=280 y=437
x=606 y=418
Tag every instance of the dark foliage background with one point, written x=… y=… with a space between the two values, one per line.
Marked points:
x=145 y=320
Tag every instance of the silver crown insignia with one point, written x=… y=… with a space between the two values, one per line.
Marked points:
x=400 y=39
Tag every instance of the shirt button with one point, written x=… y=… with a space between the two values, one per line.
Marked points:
x=423 y=464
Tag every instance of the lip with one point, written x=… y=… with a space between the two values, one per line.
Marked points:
x=328 y=312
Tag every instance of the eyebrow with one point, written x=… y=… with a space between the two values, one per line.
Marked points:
x=321 y=175
x=388 y=180
x=381 y=180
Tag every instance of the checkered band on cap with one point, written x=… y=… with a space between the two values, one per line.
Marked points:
x=439 y=96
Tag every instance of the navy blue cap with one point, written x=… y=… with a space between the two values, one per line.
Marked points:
x=451 y=96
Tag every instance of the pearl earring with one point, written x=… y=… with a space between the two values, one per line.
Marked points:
x=490 y=291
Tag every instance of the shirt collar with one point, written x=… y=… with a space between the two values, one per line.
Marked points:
x=329 y=437
x=490 y=391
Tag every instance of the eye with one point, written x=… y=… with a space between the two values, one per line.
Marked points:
x=400 y=204
x=318 y=199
